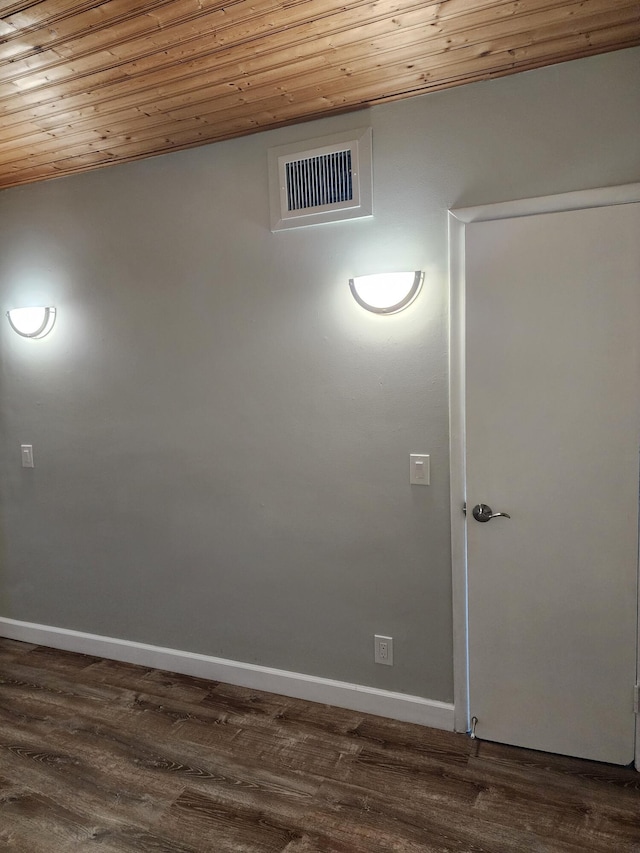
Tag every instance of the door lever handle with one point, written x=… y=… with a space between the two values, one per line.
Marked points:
x=483 y=512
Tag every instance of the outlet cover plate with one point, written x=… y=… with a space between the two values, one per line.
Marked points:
x=383 y=649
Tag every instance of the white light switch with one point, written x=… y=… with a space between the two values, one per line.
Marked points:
x=419 y=469
x=26 y=451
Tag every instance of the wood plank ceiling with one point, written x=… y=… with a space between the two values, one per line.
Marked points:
x=85 y=83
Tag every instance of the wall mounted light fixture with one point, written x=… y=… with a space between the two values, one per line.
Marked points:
x=32 y=322
x=386 y=293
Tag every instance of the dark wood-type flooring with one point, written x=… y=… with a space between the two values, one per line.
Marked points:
x=104 y=756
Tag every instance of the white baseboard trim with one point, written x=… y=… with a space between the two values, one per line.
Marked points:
x=356 y=697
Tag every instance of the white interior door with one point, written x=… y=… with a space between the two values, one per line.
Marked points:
x=552 y=438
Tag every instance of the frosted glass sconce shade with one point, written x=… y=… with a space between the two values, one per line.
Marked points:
x=32 y=322
x=388 y=292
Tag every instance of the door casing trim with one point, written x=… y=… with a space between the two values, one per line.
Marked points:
x=459 y=218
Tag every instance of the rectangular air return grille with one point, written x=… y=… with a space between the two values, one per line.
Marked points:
x=325 y=180
x=318 y=181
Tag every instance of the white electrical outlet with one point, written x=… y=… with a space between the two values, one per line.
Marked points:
x=383 y=649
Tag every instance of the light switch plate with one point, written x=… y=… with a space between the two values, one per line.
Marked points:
x=26 y=454
x=419 y=469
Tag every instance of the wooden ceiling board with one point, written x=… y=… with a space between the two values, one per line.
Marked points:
x=87 y=84
x=147 y=93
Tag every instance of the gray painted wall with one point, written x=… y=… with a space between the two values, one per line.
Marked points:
x=221 y=434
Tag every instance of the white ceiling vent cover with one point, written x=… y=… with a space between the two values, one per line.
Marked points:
x=322 y=180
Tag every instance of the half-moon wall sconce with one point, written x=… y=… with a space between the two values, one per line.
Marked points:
x=387 y=292
x=32 y=322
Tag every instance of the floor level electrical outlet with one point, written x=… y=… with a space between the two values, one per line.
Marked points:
x=383 y=649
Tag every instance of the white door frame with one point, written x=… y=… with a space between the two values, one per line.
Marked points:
x=459 y=218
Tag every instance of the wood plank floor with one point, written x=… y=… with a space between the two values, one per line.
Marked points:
x=104 y=756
